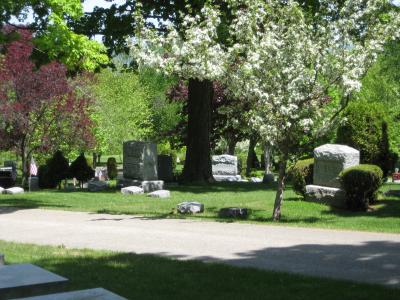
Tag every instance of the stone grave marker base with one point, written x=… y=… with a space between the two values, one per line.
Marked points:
x=326 y=195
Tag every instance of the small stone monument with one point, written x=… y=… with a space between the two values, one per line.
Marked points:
x=140 y=160
x=140 y=166
x=329 y=161
x=225 y=168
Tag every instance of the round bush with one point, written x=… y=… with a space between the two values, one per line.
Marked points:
x=302 y=175
x=112 y=169
x=361 y=184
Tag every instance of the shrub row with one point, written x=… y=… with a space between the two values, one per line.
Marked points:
x=57 y=169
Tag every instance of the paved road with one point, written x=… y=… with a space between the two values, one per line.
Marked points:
x=359 y=256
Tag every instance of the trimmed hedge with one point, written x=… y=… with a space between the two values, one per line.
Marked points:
x=361 y=184
x=112 y=170
x=302 y=175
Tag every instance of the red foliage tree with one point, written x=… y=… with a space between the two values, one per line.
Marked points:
x=40 y=109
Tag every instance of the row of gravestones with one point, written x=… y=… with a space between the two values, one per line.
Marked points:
x=142 y=164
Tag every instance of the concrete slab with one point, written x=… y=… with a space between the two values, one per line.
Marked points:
x=94 y=294
x=25 y=280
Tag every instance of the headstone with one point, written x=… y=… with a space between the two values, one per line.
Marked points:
x=90 y=294
x=233 y=212
x=13 y=165
x=329 y=161
x=14 y=191
x=268 y=178
x=224 y=165
x=165 y=168
x=33 y=183
x=132 y=190
x=255 y=180
x=152 y=185
x=101 y=173
x=140 y=160
x=228 y=178
x=190 y=207
x=25 y=280
x=6 y=177
x=160 y=194
x=97 y=185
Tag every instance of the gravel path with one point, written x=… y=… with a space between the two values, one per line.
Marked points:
x=358 y=256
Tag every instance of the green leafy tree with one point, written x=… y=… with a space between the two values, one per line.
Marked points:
x=131 y=106
x=365 y=127
x=54 y=38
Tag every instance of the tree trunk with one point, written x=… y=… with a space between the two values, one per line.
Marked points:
x=25 y=167
x=267 y=159
x=231 y=146
x=198 y=161
x=251 y=155
x=94 y=160
x=281 y=188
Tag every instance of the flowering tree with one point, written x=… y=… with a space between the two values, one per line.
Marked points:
x=285 y=59
x=40 y=110
x=288 y=62
x=193 y=53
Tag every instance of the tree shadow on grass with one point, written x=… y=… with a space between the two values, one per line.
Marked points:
x=237 y=187
x=10 y=205
x=151 y=277
x=387 y=208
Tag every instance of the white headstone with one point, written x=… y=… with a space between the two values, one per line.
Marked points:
x=14 y=191
x=225 y=165
x=132 y=190
x=330 y=160
x=160 y=194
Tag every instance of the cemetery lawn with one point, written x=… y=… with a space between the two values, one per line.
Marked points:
x=149 y=277
x=259 y=198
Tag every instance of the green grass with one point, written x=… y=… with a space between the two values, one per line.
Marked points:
x=149 y=277
x=384 y=217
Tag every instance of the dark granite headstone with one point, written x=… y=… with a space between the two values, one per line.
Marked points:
x=233 y=212
x=140 y=160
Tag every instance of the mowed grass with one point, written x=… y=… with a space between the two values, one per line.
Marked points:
x=149 y=277
x=258 y=198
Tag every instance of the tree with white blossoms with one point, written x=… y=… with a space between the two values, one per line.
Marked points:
x=288 y=61
x=280 y=56
x=194 y=53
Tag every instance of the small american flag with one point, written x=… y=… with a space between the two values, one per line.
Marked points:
x=33 y=170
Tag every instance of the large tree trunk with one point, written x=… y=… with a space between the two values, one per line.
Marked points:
x=251 y=155
x=281 y=188
x=231 y=146
x=198 y=161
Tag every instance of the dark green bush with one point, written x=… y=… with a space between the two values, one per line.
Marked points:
x=58 y=168
x=80 y=169
x=46 y=181
x=112 y=170
x=302 y=175
x=361 y=184
x=366 y=127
